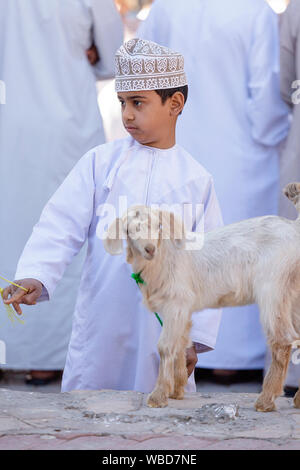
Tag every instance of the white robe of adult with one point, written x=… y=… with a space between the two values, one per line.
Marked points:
x=114 y=337
x=49 y=120
x=232 y=122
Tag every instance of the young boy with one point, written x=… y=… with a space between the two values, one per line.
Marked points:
x=114 y=337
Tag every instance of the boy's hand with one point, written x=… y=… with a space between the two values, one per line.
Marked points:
x=19 y=296
x=191 y=359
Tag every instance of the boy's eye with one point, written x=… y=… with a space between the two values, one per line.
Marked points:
x=122 y=103
x=137 y=103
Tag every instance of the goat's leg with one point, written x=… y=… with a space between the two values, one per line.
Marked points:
x=180 y=376
x=165 y=382
x=172 y=343
x=274 y=380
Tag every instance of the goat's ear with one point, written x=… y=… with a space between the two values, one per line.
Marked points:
x=172 y=228
x=113 y=241
x=129 y=257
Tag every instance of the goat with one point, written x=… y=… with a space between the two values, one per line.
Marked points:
x=253 y=261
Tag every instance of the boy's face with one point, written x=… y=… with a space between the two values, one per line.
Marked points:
x=146 y=118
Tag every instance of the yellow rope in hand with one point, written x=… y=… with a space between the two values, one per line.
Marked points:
x=13 y=283
x=9 y=310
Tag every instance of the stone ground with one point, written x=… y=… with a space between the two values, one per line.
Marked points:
x=42 y=418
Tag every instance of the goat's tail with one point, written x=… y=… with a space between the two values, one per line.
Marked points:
x=292 y=192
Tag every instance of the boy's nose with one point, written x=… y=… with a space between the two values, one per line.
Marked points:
x=128 y=115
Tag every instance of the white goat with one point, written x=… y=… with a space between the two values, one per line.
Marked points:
x=253 y=261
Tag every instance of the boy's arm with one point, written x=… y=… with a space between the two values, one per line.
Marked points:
x=208 y=321
x=61 y=231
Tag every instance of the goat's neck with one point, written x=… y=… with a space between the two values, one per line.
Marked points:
x=156 y=269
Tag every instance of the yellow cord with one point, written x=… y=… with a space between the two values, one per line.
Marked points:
x=14 y=284
x=10 y=311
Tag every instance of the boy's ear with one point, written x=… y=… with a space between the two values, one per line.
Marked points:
x=113 y=241
x=176 y=103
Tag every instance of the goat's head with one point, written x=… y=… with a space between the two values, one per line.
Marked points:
x=144 y=228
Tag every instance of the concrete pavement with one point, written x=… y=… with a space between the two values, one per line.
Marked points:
x=121 y=420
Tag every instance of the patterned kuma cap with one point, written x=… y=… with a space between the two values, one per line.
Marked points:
x=145 y=65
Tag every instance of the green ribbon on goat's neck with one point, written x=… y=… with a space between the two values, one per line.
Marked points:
x=138 y=279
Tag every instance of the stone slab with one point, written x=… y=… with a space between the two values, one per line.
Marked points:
x=108 y=419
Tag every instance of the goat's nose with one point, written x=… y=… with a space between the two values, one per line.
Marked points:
x=150 y=249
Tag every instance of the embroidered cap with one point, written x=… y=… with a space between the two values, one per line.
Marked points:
x=145 y=65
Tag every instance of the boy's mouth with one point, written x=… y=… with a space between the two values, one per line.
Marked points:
x=131 y=128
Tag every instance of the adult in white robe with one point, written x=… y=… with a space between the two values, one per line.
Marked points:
x=290 y=157
x=50 y=119
x=114 y=337
x=233 y=121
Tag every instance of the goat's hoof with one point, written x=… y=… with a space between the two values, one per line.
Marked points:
x=156 y=400
x=264 y=406
x=177 y=395
x=297 y=399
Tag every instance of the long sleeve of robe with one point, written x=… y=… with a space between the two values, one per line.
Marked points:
x=233 y=121
x=114 y=337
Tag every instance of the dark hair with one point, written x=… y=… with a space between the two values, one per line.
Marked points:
x=168 y=92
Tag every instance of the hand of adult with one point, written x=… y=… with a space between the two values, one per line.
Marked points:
x=93 y=55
